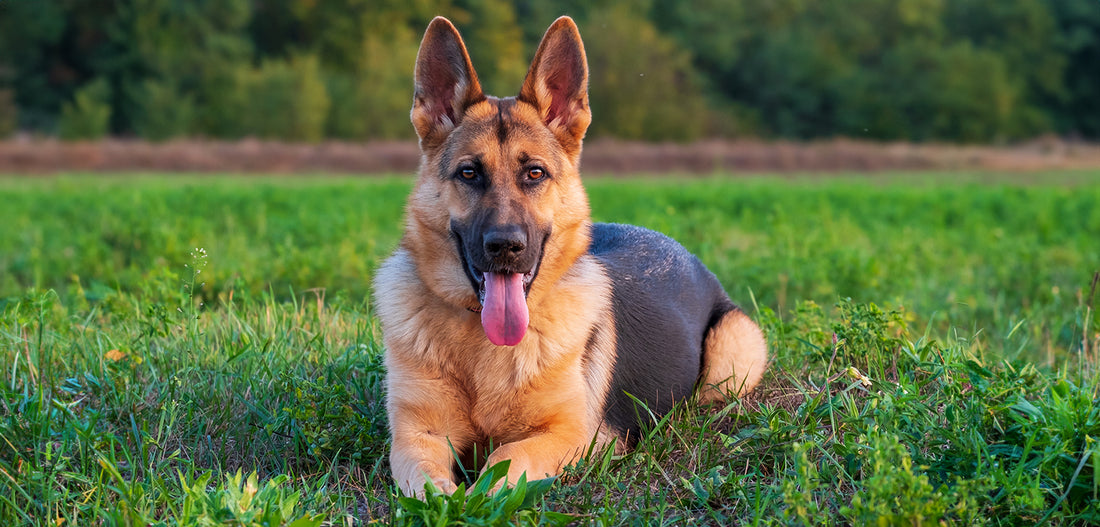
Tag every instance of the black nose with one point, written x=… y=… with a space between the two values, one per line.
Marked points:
x=505 y=241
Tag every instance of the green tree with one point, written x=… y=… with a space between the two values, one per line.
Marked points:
x=925 y=91
x=495 y=43
x=641 y=84
x=890 y=69
x=386 y=82
x=286 y=100
x=534 y=16
x=162 y=111
x=1024 y=35
x=88 y=115
x=8 y=113
x=370 y=82
x=193 y=49
x=714 y=31
x=1077 y=109
x=49 y=50
x=333 y=29
x=902 y=69
x=347 y=111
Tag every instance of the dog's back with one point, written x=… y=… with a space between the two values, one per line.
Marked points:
x=665 y=302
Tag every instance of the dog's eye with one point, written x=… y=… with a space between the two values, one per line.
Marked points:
x=535 y=173
x=468 y=173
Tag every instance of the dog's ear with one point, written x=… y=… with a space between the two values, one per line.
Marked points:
x=445 y=83
x=557 y=84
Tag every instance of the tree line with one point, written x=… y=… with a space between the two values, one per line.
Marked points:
x=306 y=70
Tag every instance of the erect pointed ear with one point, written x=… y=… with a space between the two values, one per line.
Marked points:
x=445 y=83
x=557 y=84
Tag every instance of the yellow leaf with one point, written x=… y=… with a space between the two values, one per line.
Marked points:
x=114 y=355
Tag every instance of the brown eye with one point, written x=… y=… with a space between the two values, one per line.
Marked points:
x=535 y=173
x=469 y=173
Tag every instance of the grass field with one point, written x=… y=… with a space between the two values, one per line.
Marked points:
x=201 y=351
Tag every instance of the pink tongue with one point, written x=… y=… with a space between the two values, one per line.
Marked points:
x=504 y=314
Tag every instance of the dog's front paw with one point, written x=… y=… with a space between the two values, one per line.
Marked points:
x=519 y=463
x=446 y=486
x=414 y=483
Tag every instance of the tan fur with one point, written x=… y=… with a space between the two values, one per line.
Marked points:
x=449 y=390
x=735 y=356
x=448 y=387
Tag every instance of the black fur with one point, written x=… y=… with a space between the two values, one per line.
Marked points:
x=665 y=301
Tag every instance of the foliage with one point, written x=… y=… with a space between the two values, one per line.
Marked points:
x=641 y=83
x=225 y=97
x=284 y=100
x=237 y=502
x=170 y=77
x=8 y=113
x=326 y=421
x=495 y=40
x=927 y=92
x=385 y=82
x=88 y=116
x=976 y=70
x=35 y=43
x=894 y=494
x=164 y=112
x=1023 y=35
x=1078 y=40
x=917 y=69
x=482 y=504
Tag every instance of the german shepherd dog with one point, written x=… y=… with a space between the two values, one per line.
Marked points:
x=513 y=325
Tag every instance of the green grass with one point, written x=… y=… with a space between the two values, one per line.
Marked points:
x=935 y=349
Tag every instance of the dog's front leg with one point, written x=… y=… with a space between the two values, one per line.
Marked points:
x=561 y=440
x=539 y=457
x=428 y=427
x=418 y=457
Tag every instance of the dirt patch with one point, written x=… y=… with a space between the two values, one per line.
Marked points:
x=27 y=155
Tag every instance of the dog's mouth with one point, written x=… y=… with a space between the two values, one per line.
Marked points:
x=504 y=313
x=502 y=293
x=484 y=278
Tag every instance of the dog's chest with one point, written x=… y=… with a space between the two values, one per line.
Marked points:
x=507 y=390
x=494 y=407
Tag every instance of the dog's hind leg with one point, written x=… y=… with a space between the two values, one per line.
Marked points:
x=735 y=356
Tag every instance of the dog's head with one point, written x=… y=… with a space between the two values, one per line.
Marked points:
x=499 y=180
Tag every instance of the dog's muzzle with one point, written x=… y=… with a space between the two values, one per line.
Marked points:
x=501 y=270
